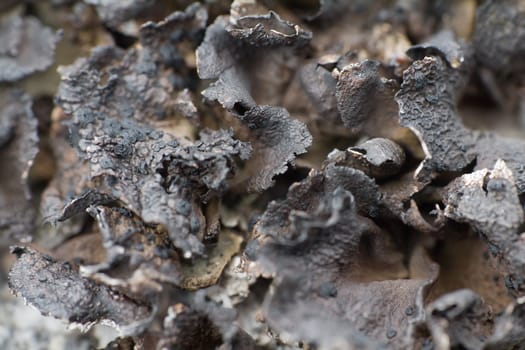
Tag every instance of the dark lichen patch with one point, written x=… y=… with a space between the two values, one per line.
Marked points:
x=131 y=159
x=427 y=101
x=500 y=49
x=378 y=158
x=364 y=97
x=488 y=200
x=276 y=138
x=319 y=86
x=428 y=106
x=138 y=257
x=198 y=323
x=266 y=29
x=71 y=179
x=443 y=45
x=57 y=290
x=169 y=206
x=81 y=203
x=325 y=237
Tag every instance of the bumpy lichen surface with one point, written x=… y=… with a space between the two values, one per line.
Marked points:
x=263 y=174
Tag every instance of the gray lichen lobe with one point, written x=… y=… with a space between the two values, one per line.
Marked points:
x=26 y=46
x=116 y=101
x=55 y=289
x=276 y=138
x=427 y=105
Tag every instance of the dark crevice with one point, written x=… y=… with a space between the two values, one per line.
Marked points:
x=240 y=109
x=122 y=40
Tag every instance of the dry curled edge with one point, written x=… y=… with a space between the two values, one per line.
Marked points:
x=231 y=52
x=138 y=257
